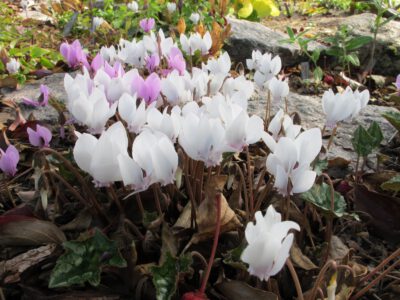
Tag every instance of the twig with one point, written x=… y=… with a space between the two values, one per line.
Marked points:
x=375 y=281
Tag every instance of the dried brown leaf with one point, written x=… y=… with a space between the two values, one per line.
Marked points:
x=239 y=290
x=26 y=231
x=300 y=260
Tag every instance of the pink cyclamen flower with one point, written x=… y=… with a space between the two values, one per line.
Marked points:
x=9 y=160
x=43 y=99
x=176 y=60
x=152 y=62
x=97 y=62
x=147 y=24
x=74 y=54
x=148 y=89
x=39 y=138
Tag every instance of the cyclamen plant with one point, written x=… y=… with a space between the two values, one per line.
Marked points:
x=149 y=115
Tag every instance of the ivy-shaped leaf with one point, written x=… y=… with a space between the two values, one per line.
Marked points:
x=364 y=141
x=84 y=260
x=392 y=184
x=394 y=118
x=376 y=134
x=165 y=277
x=320 y=196
x=360 y=141
x=232 y=257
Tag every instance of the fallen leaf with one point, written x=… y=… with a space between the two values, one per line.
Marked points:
x=239 y=290
x=300 y=260
x=206 y=215
x=338 y=250
x=8 y=82
x=338 y=162
x=384 y=211
x=26 y=231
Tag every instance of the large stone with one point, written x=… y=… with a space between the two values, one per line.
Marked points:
x=248 y=36
x=310 y=110
x=47 y=113
x=387 y=52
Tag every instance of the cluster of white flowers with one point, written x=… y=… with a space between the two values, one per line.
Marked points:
x=343 y=106
x=204 y=112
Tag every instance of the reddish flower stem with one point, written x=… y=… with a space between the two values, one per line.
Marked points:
x=214 y=247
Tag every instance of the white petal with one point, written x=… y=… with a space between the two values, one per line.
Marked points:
x=302 y=180
x=83 y=150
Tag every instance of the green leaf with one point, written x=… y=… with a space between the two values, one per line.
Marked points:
x=318 y=74
x=315 y=55
x=357 y=42
x=290 y=33
x=353 y=59
x=232 y=257
x=165 y=277
x=394 y=118
x=37 y=52
x=392 y=184
x=361 y=141
x=376 y=134
x=246 y=10
x=320 y=166
x=84 y=260
x=46 y=63
x=320 y=196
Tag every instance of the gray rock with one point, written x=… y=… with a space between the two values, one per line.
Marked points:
x=310 y=110
x=48 y=114
x=248 y=36
x=387 y=52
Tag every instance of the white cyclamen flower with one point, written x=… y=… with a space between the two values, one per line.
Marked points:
x=93 y=110
x=279 y=89
x=156 y=42
x=171 y=7
x=13 y=66
x=155 y=154
x=253 y=63
x=169 y=124
x=239 y=90
x=196 y=42
x=267 y=68
x=195 y=18
x=342 y=106
x=108 y=53
x=291 y=159
x=132 y=53
x=283 y=122
x=98 y=157
x=97 y=21
x=133 y=6
x=243 y=131
x=202 y=138
x=268 y=243
x=173 y=87
x=135 y=116
x=221 y=65
x=362 y=100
